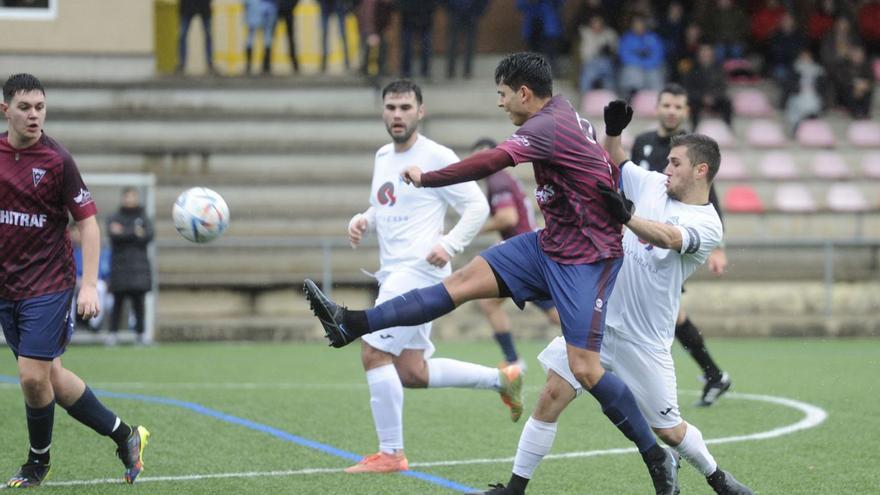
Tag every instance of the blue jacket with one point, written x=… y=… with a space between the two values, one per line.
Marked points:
x=545 y=10
x=645 y=51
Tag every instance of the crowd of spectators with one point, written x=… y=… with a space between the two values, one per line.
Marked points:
x=816 y=52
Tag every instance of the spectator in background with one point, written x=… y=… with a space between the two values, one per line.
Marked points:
x=328 y=8
x=671 y=30
x=416 y=22
x=835 y=47
x=374 y=16
x=598 y=49
x=727 y=28
x=805 y=100
x=869 y=25
x=542 y=27
x=285 y=13
x=785 y=46
x=641 y=58
x=463 y=16
x=188 y=9
x=693 y=35
x=764 y=22
x=131 y=231
x=853 y=83
x=707 y=87
x=260 y=14
x=819 y=23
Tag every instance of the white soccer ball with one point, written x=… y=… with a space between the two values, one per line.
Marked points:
x=200 y=215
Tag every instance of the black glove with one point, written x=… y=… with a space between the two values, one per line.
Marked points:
x=618 y=206
x=617 y=116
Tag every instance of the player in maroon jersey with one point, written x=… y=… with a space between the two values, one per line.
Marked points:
x=574 y=260
x=511 y=214
x=39 y=185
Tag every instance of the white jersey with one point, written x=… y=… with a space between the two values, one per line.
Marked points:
x=647 y=294
x=409 y=221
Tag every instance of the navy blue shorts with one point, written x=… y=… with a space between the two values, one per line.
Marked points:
x=545 y=305
x=579 y=291
x=39 y=327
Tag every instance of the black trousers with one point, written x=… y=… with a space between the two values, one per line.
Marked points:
x=137 y=306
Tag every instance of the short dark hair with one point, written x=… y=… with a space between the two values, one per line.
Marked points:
x=526 y=69
x=403 y=86
x=484 y=143
x=21 y=83
x=700 y=149
x=673 y=89
x=129 y=189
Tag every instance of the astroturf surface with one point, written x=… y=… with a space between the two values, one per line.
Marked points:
x=287 y=418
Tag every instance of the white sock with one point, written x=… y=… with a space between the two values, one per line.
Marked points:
x=444 y=372
x=386 y=401
x=534 y=443
x=694 y=450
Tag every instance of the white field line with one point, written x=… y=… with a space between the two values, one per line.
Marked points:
x=813 y=416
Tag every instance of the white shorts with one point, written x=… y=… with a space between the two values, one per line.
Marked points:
x=395 y=339
x=650 y=374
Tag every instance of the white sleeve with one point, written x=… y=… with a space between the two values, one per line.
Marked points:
x=468 y=200
x=700 y=237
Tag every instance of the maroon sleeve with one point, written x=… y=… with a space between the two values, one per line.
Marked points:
x=77 y=197
x=476 y=166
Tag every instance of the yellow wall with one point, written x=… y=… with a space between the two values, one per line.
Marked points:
x=84 y=26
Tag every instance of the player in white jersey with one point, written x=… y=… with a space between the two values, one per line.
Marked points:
x=415 y=253
x=671 y=233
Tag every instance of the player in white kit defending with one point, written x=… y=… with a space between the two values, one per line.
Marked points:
x=414 y=253
x=670 y=234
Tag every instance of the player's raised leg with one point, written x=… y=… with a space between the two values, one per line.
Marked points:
x=342 y=325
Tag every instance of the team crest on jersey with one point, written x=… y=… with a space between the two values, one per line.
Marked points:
x=544 y=194
x=38 y=174
x=83 y=198
x=385 y=194
x=647 y=149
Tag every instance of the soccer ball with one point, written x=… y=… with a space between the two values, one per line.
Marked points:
x=200 y=215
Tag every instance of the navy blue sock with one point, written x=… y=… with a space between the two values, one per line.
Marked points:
x=89 y=411
x=619 y=405
x=505 y=340
x=39 y=422
x=413 y=308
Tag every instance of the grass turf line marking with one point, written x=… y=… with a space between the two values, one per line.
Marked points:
x=281 y=434
x=813 y=416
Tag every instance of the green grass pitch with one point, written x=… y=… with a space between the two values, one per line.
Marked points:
x=215 y=402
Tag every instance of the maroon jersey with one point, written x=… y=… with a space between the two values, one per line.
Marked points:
x=568 y=163
x=38 y=186
x=504 y=191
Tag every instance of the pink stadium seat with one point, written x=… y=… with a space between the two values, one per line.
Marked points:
x=732 y=167
x=815 y=133
x=765 y=133
x=742 y=199
x=830 y=165
x=844 y=196
x=593 y=102
x=778 y=165
x=751 y=102
x=871 y=165
x=864 y=133
x=717 y=130
x=793 y=197
x=644 y=103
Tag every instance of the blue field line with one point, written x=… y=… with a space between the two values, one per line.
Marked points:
x=275 y=432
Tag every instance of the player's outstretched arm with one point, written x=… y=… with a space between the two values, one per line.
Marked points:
x=617 y=116
x=658 y=234
x=474 y=167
